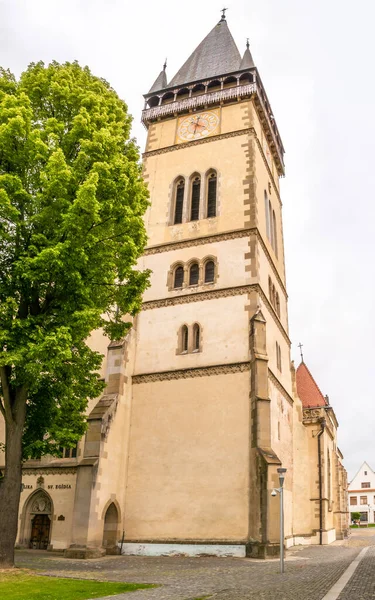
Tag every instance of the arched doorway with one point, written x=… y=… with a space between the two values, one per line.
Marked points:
x=110 y=528
x=38 y=518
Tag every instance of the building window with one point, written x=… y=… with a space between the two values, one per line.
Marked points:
x=194 y=274
x=353 y=500
x=277 y=304
x=195 y=196
x=274 y=297
x=365 y=472
x=179 y=201
x=178 y=277
x=68 y=452
x=209 y=271
x=267 y=211
x=211 y=195
x=363 y=499
x=196 y=337
x=184 y=339
x=278 y=356
x=366 y=484
x=271 y=226
x=274 y=236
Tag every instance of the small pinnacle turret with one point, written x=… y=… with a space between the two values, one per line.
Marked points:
x=161 y=81
x=247 y=60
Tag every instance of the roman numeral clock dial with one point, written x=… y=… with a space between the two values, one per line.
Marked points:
x=198 y=126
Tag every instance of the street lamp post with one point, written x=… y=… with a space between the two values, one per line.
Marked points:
x=281 y=471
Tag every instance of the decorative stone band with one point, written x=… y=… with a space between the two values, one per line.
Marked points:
x=280 y=387
x=218 y=237
x=49 y=470
x=198 y=241
x=212 y=295
x=312 y=415
x=240 y=367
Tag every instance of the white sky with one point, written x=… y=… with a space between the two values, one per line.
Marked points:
x=316 y=62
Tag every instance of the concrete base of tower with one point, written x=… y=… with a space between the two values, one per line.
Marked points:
x=84 y=552
x=183 y=549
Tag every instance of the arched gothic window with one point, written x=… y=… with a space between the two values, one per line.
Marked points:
x=267 y=205
x=209 y=271
x=277 y=304
x=195 y=197
x=194 y=274
x=178 y=277
x=196 y=337
x=184 y=339
x=211 y=195
x=274 y=232
x=179 y=201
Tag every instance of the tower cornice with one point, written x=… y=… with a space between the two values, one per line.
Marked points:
x=157 y=108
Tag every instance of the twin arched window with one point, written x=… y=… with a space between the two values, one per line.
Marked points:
x=190 y=343
x=201 y=198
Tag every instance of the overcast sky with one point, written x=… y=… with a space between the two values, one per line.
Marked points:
x=316 y=61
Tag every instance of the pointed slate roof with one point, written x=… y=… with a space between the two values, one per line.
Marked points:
x=247 y=60
x=307 y=388
x=216 y=55
x=160 y=82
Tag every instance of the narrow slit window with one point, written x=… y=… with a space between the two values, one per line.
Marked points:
x=179 y=203
x=195 y=196
x=267 y=210
x=277 y=304
x=211 y=195
x=178 y=277
x=274 y=232
x=194 y=274
x=196 y=337
x=271 y=236
x=209 y=271
x=184 y=339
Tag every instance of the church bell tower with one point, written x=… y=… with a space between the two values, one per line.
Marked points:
x=212 y=399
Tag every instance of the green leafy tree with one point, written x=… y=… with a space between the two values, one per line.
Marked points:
x=71 y=230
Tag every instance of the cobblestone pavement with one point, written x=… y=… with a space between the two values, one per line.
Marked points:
x=309 y=573
x=362 y=585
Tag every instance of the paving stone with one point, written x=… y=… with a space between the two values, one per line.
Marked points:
x=309 y=573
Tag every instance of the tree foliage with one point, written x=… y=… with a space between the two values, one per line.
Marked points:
x=71 y=231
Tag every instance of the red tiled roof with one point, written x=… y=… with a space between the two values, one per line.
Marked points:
x=307 y=389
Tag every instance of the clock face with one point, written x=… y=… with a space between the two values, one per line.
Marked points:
x=198 y=126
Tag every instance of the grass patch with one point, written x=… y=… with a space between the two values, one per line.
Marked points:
x=21 y=585
x=362 y=526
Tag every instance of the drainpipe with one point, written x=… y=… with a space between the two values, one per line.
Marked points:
x=323 y=426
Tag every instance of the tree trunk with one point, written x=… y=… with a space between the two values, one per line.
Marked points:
x=10 y=486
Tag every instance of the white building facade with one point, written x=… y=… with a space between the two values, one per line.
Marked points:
x=361 y=492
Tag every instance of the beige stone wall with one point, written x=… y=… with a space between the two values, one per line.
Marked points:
x=188 y=459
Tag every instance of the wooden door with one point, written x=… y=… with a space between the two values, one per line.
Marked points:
x=40 y=526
